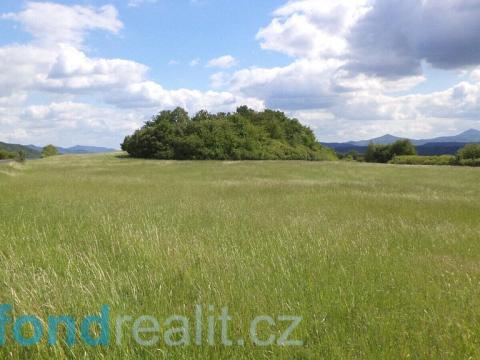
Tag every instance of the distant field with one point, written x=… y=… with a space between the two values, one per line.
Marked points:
x=381 y=261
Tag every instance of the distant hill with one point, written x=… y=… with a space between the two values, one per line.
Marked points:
x=14 y=148
x=440 y=148
x=78 y=149
x=34 y=152
x=469 y=136
x=382 y=140
x=466 y=137
x=435 y=146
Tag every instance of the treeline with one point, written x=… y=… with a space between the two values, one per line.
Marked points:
x=467 y=156
x=18 y=156
x=4 y=154
x=243 y=135
x=22 y=155
x=403 y=152
x=378 y=153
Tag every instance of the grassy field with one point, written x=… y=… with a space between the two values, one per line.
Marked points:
x=381 y=261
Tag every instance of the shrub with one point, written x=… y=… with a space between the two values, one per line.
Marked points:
x=384 y=153
x=423 y=160
x=352 y=155
x=243 y=135
x=469 y=162
x=4 y=154
x=470 y=151
x=377 y=153
x=402 y=147
x=21 y=156
x=49 y=150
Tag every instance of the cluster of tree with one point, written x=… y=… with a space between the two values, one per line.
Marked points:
x=49 y=150
x=352 y=155
x=4 y=154
x=469 y=152
x=243 y=135
x=377 y=153
x=467 y=156
x=19 y=156
x=424 y=160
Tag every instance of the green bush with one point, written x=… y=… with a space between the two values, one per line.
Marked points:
x=21 y=156
x=49 y=150
x=469 y=162
x=377 y=153
x=243 y=135
x=352 y=155
x=470 y=151
x=4 y=154
x=423 y=160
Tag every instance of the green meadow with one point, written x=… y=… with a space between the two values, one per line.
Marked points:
x=380 y=261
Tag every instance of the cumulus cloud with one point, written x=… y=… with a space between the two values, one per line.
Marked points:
x=56 y=65
x=380 y=37
x=51 y=23
x=149 y=94
x=69 y=123
x=223 y=62
x=301 y=85
x=396 y=36
x=74 y=71
x=355 y=60
x=312 y=29
x=20 y=66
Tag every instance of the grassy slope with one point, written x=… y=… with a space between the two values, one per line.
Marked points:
x=382 y=261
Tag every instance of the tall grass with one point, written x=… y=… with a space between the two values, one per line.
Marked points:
x=381 y=261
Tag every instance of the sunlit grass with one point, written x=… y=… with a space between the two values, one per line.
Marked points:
x=381 y=261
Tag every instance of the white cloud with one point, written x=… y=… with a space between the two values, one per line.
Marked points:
x=65 y=123
x=73 y=71
x=300 y=85
x=73 y=123
x=476 y=74
x=194 y=62
x=219 y=80
x=52 y=23
x=20 y=66
x=312 y=28
x=136 y=3
x=223 y=62
x=149 y=94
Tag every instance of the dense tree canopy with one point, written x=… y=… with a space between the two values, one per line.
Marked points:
x=384 y=153
x=4 y=154
x=49 y=150
x=470 y=152
x=243 y=135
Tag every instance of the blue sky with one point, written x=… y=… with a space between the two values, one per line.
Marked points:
x=182 y=31
x=91 y=71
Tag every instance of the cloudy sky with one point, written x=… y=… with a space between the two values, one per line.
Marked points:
x=90 y=72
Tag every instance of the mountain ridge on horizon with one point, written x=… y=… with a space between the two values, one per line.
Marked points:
x=436 y=146
x=76 y=149
x=470 y=135
x=34 y=152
